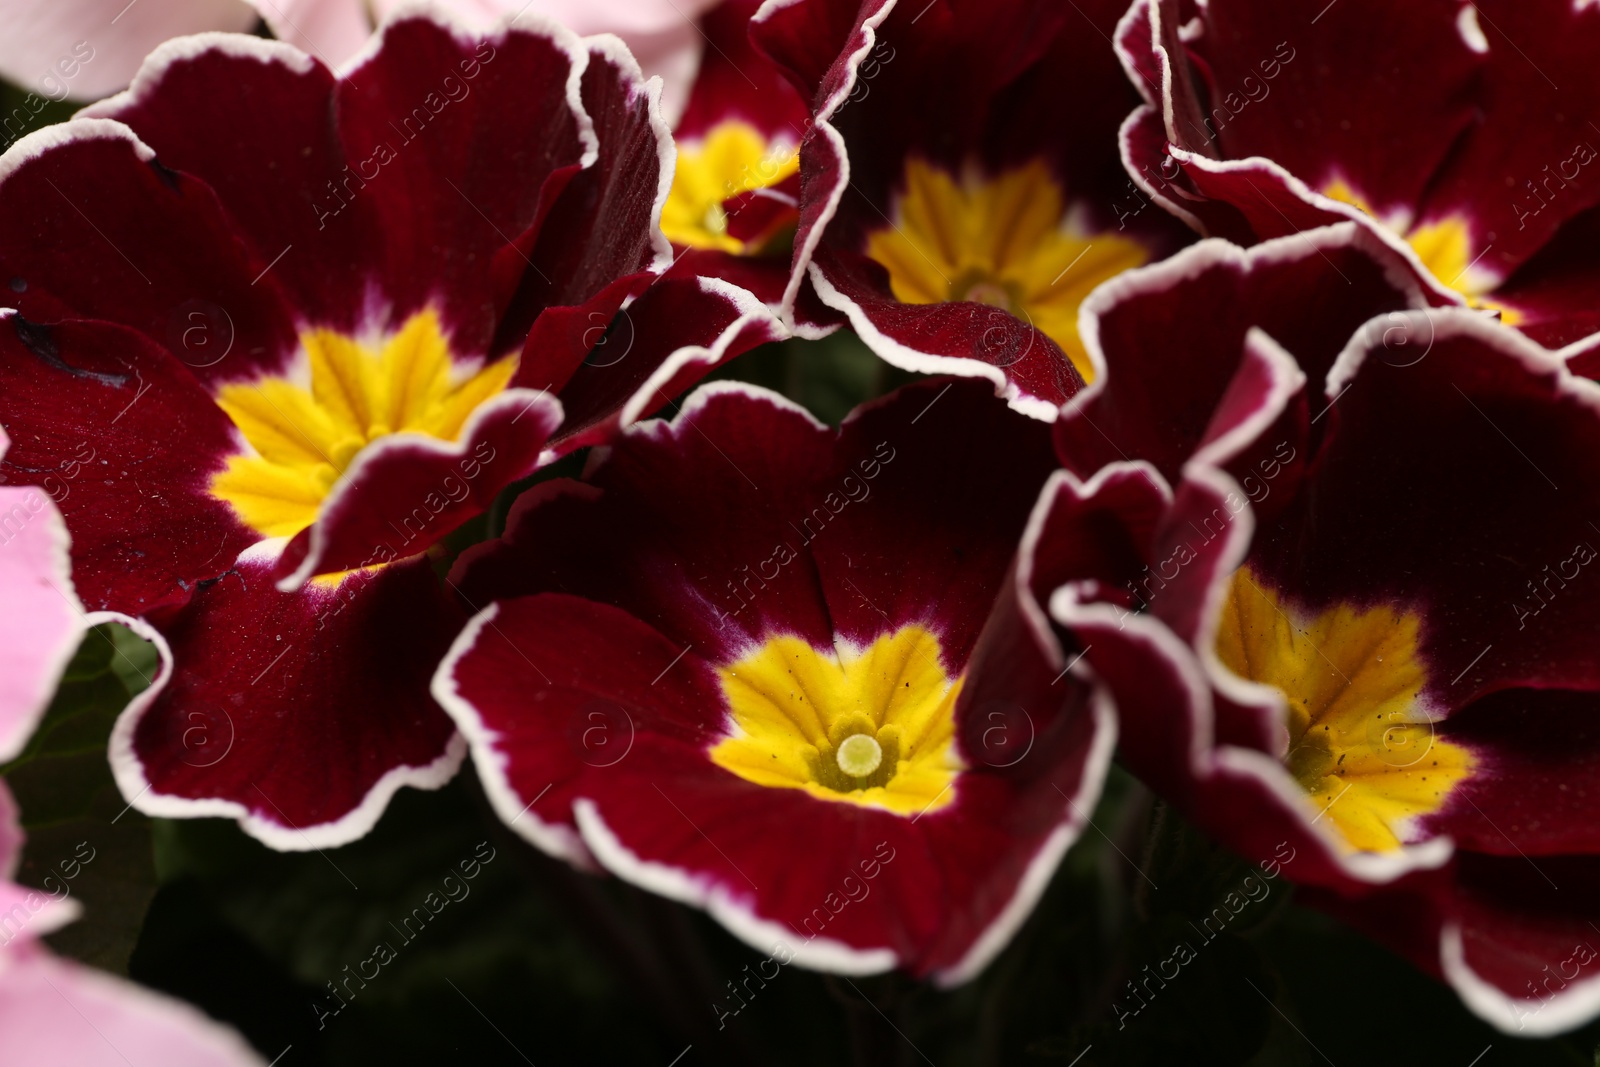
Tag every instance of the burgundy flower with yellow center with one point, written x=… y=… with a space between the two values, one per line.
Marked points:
x=272 y=333
x=791 y=675
x=1338 y=593
x=961 y=191
x=736 y=187
x=1455 y=131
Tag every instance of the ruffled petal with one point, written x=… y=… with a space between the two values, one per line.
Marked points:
x=298 y=714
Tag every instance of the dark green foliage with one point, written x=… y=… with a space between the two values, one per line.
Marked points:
x=82 y=839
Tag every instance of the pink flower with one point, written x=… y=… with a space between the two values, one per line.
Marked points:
x=86 y=49
x=56 y=1011
x=42 y=622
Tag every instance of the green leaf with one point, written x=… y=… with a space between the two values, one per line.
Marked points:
x=827 y=377
x=311 y=919
x=83 y=839
x=25 y=109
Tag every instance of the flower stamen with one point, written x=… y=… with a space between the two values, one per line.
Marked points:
x=859 y=755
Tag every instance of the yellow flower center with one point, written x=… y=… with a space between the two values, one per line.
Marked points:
x=303 y=437
x=733 y=158
x=1359 y=743
x=1008 y=241
x=872 y=726
x=1445 y=248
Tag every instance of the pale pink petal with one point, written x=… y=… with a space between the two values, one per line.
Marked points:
x=28 y=914
x=54 y=1011
x=674 y=54
x=332 y=30
x=41 y=622
x=621 y=17
x=86 y=49
x=625 y=18
x=661 y=33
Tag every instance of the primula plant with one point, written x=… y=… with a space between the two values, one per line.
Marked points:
x=809 y=531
